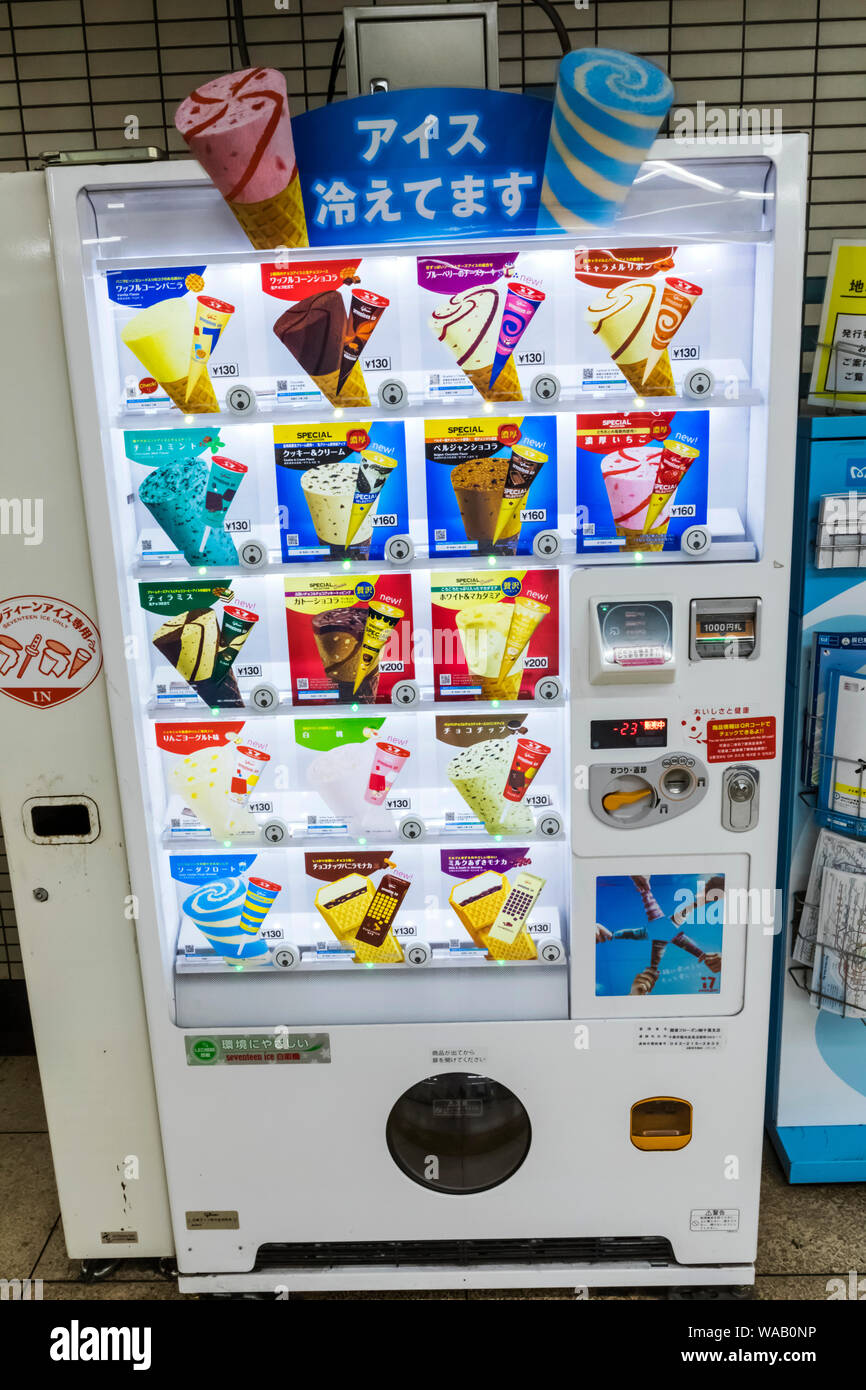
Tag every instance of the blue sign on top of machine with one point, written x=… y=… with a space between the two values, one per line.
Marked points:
x=420 y=165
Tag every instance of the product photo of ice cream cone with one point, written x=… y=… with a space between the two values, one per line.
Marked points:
x=238 y=128
x=374 y=470
x=623 y=320
x=467 y=324
x=329 y=492
x=483 y=628
x=478 y=485
x=523 y=468
x=476 y=902
x=344 y=902
x=216 y=911
x=479 y=774
x=629 y=476
x=313 y=331
x=676 y=459
x=677 y=298
x=160 y=336
x=526 y=614
x=339 y=638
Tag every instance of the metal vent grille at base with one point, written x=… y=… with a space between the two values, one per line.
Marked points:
x=576 y=1250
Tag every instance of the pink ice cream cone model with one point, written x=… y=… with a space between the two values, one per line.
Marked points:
x=630 y=478
x=239 y=130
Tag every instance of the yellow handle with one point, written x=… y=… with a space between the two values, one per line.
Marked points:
x=614 y=800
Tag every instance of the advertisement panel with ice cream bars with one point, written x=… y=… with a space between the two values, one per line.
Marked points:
x=491 y=484
x=641 y=479
x=657 y=935
x=341 y=489
x=495 y=633
x=350 y=639
x=181 y=335
x=328 y=326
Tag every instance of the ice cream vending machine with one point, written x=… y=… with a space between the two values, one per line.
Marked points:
x=442 y=567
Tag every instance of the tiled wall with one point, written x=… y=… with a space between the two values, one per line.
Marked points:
x=10 y=950
x=72 y=70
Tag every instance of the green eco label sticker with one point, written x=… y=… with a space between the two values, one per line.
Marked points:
x=324 y=734
x=220 y=1049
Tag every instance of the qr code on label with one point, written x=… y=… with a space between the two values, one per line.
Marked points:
x=440 y=534
x=282 y=384
x=589 y=528
x=303 y=683
x=292 y=539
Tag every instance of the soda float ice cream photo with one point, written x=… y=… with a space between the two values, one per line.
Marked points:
x=238 y=128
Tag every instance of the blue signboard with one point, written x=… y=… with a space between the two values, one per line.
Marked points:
x=422 y=165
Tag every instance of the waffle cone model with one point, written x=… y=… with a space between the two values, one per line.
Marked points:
x=660 y=381
x=344 y=902
x=389 y=953
x=476 y=902
x=238 y=128
x=353 y=393
x=277 y=221
x=202 y=401
x=521 y=948
x=506 y=386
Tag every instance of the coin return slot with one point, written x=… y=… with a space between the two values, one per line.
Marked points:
x=677 y=783
x=661 y=1122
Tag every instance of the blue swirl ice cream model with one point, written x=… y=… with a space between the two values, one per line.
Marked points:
x=217 y=909
x=607 y=112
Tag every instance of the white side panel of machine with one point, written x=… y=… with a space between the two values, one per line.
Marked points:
x=78 y=942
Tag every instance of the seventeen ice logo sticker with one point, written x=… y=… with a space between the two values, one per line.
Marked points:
x=49 y=650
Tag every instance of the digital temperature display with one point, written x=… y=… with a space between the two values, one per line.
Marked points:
x=629 y=733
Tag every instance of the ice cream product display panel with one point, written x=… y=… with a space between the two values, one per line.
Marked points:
x=358 y=754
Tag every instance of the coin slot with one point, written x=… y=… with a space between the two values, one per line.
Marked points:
x=677 y=783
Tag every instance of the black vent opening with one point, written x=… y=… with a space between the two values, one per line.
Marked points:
x=561 y=1250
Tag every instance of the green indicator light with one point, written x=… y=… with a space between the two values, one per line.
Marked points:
x=491 y=559
x=355 y=708
x=638 y=558
x=227 y=844
x=495 y=704
x=361 y=840
x=347 y=564
x=215 y=711
x=203 y=570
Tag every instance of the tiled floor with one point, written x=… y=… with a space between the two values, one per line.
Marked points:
x=808 y=1234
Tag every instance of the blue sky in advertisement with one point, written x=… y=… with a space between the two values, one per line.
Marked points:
x=420 y=165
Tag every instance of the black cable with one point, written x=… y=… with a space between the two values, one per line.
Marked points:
x=241 y=33
x=336 y=60
x=340 y=46
x=556 y=20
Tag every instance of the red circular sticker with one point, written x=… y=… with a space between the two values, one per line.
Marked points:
x=357 y=439
x=508 y=434
x=148 y=385
x=49 y=650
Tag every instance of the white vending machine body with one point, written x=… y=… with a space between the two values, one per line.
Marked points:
x=314 y=1110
